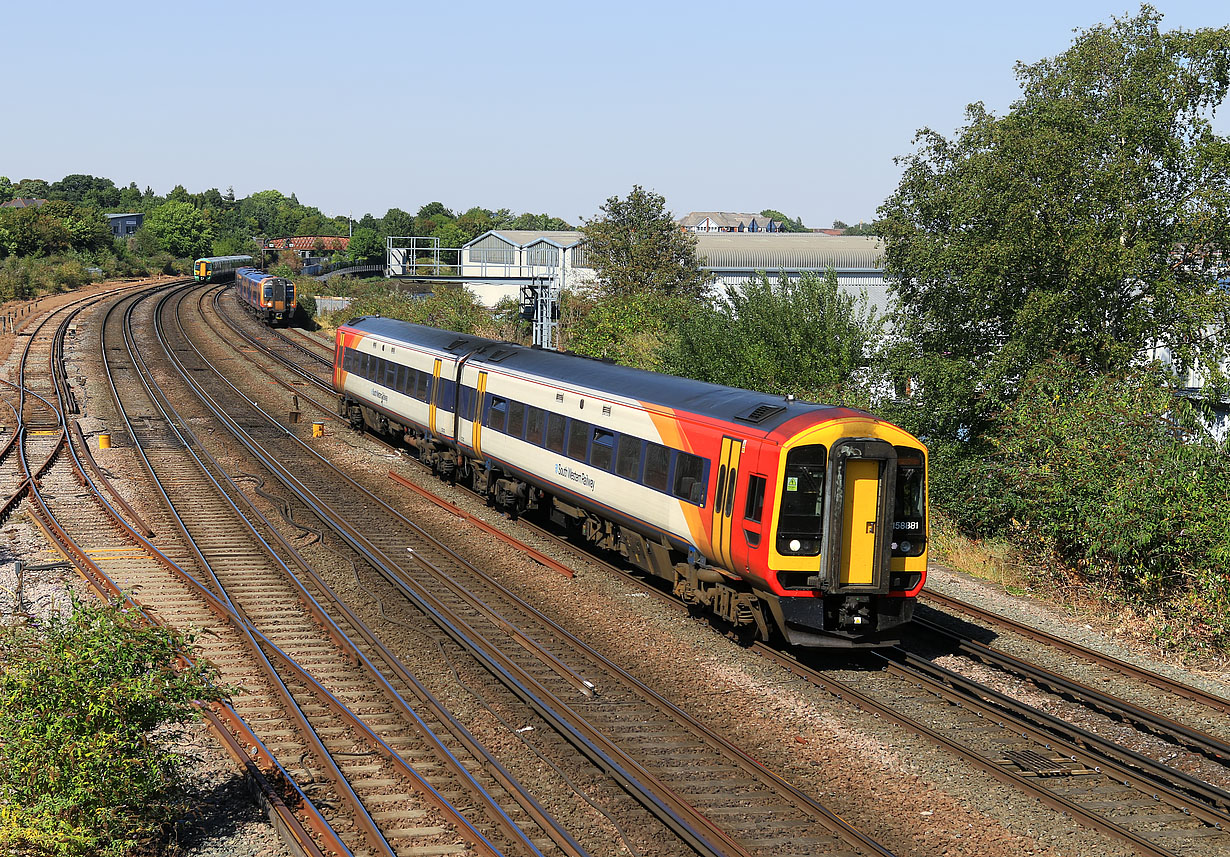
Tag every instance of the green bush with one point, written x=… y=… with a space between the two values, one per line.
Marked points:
x=1118 y=479
x=80 y=772
x=448 y=307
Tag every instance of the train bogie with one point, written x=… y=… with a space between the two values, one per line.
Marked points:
x=774 y=514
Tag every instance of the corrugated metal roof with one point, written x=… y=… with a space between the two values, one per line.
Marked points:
x=758 y=251
x=522 y=237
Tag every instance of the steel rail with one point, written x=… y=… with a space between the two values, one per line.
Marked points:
x=362 y=817
x=1141 y=717
x=464 y=635
x=108 y=590
x=562 y=838
x=1089 y=819
x=1161 y=682
x=1146 y=772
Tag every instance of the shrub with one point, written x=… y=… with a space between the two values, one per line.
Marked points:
x=79 y=770
x=1117 y=478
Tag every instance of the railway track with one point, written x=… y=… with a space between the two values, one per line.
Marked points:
x=648 y=749
x=337 y=725
x=1123 y=793
x=66 y=504
x=1169 y=687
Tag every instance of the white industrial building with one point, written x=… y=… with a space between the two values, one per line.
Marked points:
x=496 y=264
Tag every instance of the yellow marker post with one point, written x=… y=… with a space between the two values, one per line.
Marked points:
x=318 y=429
x=104 y=441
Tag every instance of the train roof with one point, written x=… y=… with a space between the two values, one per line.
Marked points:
x=762 y=411
x=223 y=258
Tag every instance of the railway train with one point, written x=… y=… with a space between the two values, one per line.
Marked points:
x=781 y=517
x=218 y=269
x=271 y=299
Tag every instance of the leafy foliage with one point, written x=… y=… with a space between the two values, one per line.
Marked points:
x=1117 y=478
x=788 y=225
x=630 y=329
x=448 y=307
x=57 y=227
x=180 y=229
x=79 y=771
x=1079 y=223
x=1038 y=258
x=636 y=248
x=805 y=337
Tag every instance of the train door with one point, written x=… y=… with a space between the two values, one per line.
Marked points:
x=863 y=479
x=477 y=414
x=724 y=500
x=435 y=388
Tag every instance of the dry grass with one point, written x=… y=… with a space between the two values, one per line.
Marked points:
x=992 y=560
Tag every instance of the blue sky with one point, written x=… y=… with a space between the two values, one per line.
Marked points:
x=542 y=106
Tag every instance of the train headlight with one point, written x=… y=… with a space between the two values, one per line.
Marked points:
x=795 y=545
x=906 y=547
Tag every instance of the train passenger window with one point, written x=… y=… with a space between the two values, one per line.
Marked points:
x=800 y=526
x=444 y=398
x=555 y=432
x=535 y=424
x=466 y=406
x=516 y=419
x=602 y=448
x=628 y=457
x=578 y=439
x=390 y=373
x=421 y=385
x=402 y=372
x=690 y=478
x=497 y=413
x=755 y=499
x=657 y=466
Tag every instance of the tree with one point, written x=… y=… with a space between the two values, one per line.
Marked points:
x=181 y=230
x=31 y=189
x=397 y=223
x=807 y=337
x=6 y=189
x=635 y=247
x=80 y=188
x=366 y=247
x=788 y=225
x=1085 y=222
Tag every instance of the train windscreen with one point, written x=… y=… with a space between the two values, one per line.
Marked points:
x=800 y=525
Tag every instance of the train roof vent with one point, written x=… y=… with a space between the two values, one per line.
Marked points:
x=455 y=344
x=499 y=354
x=760 y=413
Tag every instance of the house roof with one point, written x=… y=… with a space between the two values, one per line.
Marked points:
x=329 y=242
x=23 y=202
x=731 y=219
